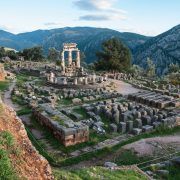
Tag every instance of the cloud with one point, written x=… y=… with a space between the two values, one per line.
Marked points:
x=93 y=4
x=52 y=24
x=94 y=18
x=104 y=9
x=101 y=17
x=5 y=28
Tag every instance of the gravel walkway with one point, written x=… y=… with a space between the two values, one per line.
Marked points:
x=124 y=88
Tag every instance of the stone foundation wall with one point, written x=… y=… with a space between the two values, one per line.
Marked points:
x=76 y=136
x=31 y=72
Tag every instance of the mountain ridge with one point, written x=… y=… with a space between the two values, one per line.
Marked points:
x=88 y=39
x=163 y=49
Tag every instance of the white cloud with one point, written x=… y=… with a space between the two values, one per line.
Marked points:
x=52 y=24
x=104 y=8
x=94 y=18
x=95 y=5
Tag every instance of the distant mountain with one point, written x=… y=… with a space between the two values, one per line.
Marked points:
x=162 y=49
x=89 y=39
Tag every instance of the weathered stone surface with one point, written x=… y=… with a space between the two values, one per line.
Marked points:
x=136 y=131
x=113 y=127
x=147 y=128
x=122 y=127
x=76 y=101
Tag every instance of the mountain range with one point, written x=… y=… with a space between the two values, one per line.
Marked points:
x=162 y=49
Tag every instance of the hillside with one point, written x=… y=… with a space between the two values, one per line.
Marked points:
x=19 y=159
x=99 y=173
x=88 y=39
x=162 y=49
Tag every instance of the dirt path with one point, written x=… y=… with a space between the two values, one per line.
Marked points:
x=155 y=146
x=124 y=88
x=7 y=97
x=159 y=145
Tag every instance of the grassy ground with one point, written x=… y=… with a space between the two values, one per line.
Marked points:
x=174 y=173
x=128 y=157
x=24 y=111
x=97 y=173
x=65 y=102
x=4 y=85
x=6 y=149
x=106 y=151
x=18 y=100
x=82 y=112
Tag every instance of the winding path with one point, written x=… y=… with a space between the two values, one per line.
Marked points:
x=7 y=96
x=124 y=88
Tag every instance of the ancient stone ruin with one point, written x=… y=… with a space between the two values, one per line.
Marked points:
x=64 y=129
x=72 y=74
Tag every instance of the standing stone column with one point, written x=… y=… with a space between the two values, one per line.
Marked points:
x=69 y=57
x=52 y=76
x=75 y=81
x=94 y=78
x=62 y=61
x=85 y=81
x=78 y=59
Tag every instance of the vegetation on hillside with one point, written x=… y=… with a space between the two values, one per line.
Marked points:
x=10 y=53
x=33 y=54
x=115 y=56
x=4 y=85
x=6 y=149
x=53 y=54
x=97 y=173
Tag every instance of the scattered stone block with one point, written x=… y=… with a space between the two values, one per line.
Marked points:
x=147 y=128
x=122 y=127
x=113 y=127
x=136 y=131
x=76 y=101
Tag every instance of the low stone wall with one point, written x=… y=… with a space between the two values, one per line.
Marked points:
x=154 y=99
x=32 y=72
x=67 y=136
x=81 y=86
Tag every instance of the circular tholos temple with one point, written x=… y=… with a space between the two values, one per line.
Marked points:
x=72 y=75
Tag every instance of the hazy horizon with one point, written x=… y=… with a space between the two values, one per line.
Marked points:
x=87 y=27
x=141 y=17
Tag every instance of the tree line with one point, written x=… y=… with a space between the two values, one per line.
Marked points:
x=114 y=56
x=35 y=54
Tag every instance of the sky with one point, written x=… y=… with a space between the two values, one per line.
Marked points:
x=147 y=17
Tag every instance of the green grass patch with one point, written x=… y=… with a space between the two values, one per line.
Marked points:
x=128 y=157
x=65 y=102
x=4 y=85
x=39 y=147
x=18 y=100
x=82 y=112
x=174 y=172
x=97 y=173
x=24 y=111
x=22 y=78
x=6 y=148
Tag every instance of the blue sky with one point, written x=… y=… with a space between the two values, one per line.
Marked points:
x=148 y=17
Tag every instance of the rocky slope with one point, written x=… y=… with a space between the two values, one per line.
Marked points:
x=25 y=160
x=89 y=39
x=162 y=49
